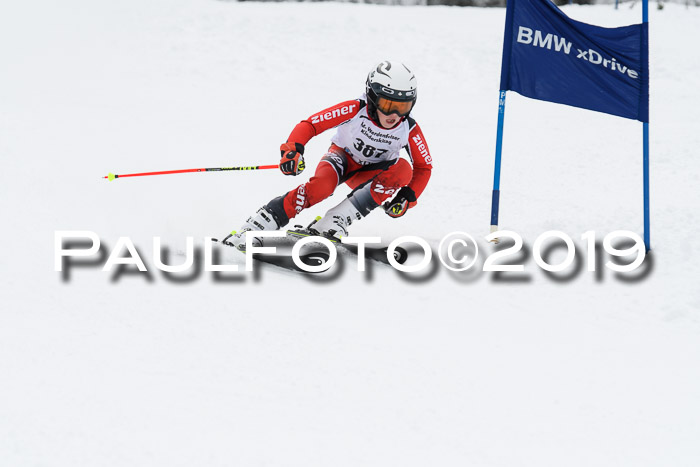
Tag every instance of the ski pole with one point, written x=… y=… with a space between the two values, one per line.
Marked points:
x=112 y=176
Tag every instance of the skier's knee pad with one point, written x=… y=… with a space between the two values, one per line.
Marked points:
x=337 y=159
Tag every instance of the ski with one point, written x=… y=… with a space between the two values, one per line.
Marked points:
x=318 y=258
x=315 y=258
x=376 y=253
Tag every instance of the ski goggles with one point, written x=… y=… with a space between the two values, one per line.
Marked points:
x=388 y=107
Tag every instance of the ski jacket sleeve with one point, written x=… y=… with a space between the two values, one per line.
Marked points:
x=324 y=120
x=422 y=160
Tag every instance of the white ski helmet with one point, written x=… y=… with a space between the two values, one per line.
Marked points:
x=392 y=88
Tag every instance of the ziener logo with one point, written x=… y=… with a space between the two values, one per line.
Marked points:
x=333 y=113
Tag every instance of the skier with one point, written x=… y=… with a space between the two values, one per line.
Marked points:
x=365 y=154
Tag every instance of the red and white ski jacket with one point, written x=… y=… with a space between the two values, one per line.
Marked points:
x=366 y=141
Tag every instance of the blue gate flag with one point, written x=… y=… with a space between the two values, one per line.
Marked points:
x=550 y=57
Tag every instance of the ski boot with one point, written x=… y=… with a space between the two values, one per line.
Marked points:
x=334 y=225
x=261 y=220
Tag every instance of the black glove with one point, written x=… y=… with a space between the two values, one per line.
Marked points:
x=402 y=202
x=292 y=162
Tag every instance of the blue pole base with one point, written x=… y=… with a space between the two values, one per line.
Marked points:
x=495 y=201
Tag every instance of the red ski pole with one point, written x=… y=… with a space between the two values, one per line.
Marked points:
x=112 y=176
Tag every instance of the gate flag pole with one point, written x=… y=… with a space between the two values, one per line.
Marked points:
x=505 y=72
x=645 y=144
x=496 y=194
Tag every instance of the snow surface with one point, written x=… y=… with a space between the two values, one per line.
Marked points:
x=370 y=369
